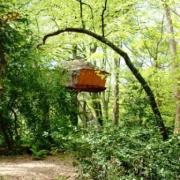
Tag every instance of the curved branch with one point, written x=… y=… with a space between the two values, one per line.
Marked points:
x=134 y=70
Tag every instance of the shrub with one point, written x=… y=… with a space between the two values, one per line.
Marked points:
x=128 y=153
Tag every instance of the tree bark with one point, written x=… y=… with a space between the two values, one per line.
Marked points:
x=175 y=68
x=134 y=70
x=116 y=93
x=105 y=95
x=105 y=103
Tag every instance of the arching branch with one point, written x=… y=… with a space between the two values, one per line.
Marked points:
x=134 y=70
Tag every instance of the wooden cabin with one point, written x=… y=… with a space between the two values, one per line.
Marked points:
x=83 y=76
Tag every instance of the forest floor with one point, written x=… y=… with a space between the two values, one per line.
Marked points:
x=59 y=167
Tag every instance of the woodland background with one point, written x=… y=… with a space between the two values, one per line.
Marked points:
x=132 y=129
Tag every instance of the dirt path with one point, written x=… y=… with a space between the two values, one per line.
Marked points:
x=24 y=168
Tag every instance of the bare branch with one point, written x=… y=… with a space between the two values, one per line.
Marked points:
x=91 y=9
x=170 y=9
x=175 y=12
x=54 y=18
x=160 y=39
x=81 y=13
x=102 y=18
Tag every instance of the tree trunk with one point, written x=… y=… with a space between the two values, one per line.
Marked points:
x=97 y=108
x=116 y=93
x=3 y=126
x=105 y=95
x=74 y=108
x=7 y=138
x=3 y=64
x=175 y=68
x=105 y=103
x=83 y=113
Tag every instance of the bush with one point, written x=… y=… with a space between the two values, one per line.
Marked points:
x=39 y=154
x=128 y=153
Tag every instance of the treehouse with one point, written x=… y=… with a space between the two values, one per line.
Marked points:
x=83 y=76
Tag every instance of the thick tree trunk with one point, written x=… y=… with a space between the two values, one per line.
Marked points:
x=134 y=70
x=175 y=69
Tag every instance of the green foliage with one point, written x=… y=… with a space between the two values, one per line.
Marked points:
x=37 y=112
x=16 y=44
x=128 y=153
x=38 y=154
x=34 y=103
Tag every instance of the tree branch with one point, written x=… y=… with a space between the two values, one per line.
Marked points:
x=160 y=40
x=54 y=18
x=102 y=17
x=81 y=13
x=92 y=15
x=134 y=70
x=175 y=12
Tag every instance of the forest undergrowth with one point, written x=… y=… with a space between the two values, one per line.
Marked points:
x=130 y=152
